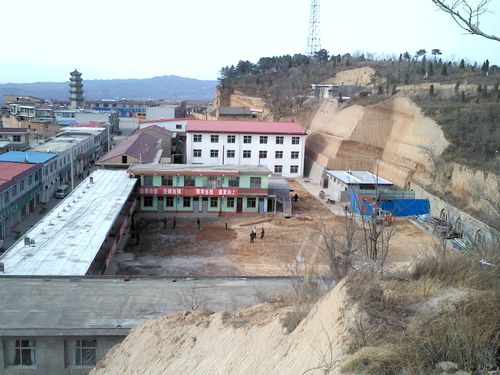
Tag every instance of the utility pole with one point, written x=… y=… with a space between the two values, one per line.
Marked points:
x=314 y=39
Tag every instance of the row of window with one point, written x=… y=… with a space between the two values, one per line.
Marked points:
x=186 y=202
x=232 y=181
x=197 y=153
x=11 y=193
x=22 y=353
x=263 y=139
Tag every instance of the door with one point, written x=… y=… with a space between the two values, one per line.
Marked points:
x=204 y=204
x=161 y=205
x=261 y=206
x=196 y=204
x=239 y=205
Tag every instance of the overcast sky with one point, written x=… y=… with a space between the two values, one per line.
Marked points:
x=43 y=40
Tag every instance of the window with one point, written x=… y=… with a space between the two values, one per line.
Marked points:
x=247 y=139
x=178 y=126
x=14 y=191
x=263 y=139
x=169 y=201
x=80 y=352
x=230 y=154
x=37 y=176
x=197 y=153
x=16 y=138
x=294 y=169
x=295 y=155
x=148 y=201
x=30 y=180
x=188 y=180
x=262 y=154
x=214 y=153
x=167 y=181
x=234 y=181
x=278 y=169
x=214 y=202
x=124 y=159
x=197 y=138
x=20 y=352
x=186 y=202
x=21 y=185
x=147 y=180
x=278 y=154
x=295 y=140
x=247 y=153
x=279 y=140
x=6 y=197
x=230 y=202
x=231 y=139
x=255 y=182
x=251 y=202
x=214 y=138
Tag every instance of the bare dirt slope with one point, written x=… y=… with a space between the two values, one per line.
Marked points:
x=249 y=341
x=394 y=132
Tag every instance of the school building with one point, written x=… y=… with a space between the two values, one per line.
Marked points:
x=188 y=188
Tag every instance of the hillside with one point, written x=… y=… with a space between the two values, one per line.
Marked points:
x=164 y=87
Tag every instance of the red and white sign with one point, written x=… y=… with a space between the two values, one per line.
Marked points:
x=189 y=191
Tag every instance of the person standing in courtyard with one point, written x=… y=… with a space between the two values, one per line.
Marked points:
x=174 y=222
x=198 y=222
x=225 y=224
x=165 y=221
x=262 y=233
x=252 y=236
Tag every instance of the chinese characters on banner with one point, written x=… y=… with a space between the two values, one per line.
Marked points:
x=190 y=192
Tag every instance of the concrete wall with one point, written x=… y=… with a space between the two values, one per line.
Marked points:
x=50 y=357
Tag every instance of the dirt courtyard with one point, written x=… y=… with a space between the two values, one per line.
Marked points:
x=215 y=251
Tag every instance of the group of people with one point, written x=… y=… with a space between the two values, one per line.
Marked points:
x=166 y=220
x=253 y=234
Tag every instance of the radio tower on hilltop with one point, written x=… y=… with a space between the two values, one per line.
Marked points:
x=313 y=39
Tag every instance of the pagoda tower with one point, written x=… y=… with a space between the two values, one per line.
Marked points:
x=76 y=90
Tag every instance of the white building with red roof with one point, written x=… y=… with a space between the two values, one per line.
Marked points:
x=276 y=145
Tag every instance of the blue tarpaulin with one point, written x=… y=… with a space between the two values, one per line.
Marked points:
x=398 y=207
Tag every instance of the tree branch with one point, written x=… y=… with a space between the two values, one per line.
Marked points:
x=469 y=20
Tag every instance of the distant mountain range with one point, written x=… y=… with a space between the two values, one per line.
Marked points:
x=164 y=87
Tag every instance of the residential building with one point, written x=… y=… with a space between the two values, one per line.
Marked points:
x=15 y=139
x=276 y=145
x=188 y=188
x=50 y=171
x=236 y=113
x=136 y=148
x=167 y=138
x=20 y=186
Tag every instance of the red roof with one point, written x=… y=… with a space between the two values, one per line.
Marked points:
x=246 y=127
x=9 y=171
x=165 y=120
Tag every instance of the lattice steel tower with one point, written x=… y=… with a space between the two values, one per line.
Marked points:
x=314 y=39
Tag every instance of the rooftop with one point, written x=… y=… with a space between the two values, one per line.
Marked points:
x=196 y=169
x=100 y=306
x=33 y=157
x=60 y=143
x=14 y=130
x=9 y=171
x=68 y=238
x=141 y=146
x=358 y=177
x=246 y=127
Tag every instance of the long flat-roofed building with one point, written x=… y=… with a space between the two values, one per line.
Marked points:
x=80 y=235
x=277 y=145
x=187 y=188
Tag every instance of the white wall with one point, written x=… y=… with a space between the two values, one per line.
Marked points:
x=173 y=126
x=255 y=146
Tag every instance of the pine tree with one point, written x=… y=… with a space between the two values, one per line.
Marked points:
x=430 y=70
x=457 y=86
x=444 y=71
x=462 y=64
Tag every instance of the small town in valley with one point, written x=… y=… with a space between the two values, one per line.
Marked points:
x=321 y=213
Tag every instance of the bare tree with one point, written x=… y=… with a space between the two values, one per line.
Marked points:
x=340 y=245
x=467 y=16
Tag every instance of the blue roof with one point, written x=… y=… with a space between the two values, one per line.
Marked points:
x=33 y=157
x=66 y=122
